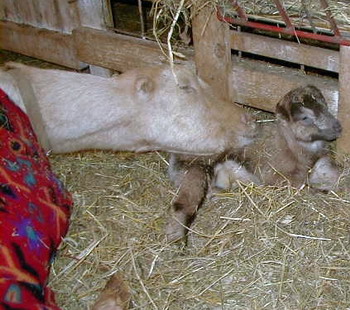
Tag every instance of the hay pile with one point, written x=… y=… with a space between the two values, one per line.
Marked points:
x=252 y=248
x=303 y=13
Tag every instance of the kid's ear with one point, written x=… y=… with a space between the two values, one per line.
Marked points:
x=290 y=104
x=283 y=109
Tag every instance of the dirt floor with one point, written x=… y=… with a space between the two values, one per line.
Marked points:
x=251 y=248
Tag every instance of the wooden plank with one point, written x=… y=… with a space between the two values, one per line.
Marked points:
x=39 y=13
x=10 y=10
x=44 y=44
x=260 y=86
x=283 y=50
x=96 y=14
x=343 y=144
x=49 y=15
x=2 y=10
x=212 y=50
x=69 y=15
x=115 y=51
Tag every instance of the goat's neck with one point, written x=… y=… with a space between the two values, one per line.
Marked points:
x=296 y=147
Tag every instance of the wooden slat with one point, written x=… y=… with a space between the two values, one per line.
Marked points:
x=115 y=51
x=44 y=44
x=98 y=15
x=257 y=85
x=288 y=51
x=10 y=10
x=343 y=144
x=49 y=14
x=39 y=13
x=2 y=11
x=69 y=15
x=212 y=50
x=95 y=14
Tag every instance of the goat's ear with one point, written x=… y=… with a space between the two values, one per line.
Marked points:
x=283 y=108
x=144 y=85
x=289 y=104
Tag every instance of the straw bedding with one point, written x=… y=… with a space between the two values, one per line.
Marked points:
x=303 y=13
x=249 y=248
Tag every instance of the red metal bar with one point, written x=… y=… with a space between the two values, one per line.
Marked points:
x=298 y=33
x=330 y=18
x=284 y=14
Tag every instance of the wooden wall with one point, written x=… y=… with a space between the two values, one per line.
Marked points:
x=56 y=15
x=43 y=28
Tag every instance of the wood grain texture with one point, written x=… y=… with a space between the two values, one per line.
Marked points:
x=212 y=51
x=259 y=85
x=48 y=14
x=311 y=56
x=115 y=51
x=98 y=15
x=95 y=14
x=48 y=45
x=343 y=144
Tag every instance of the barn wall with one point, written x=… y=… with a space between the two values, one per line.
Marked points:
x=43 y=28
x=48 y=45
x=102 y=17
x=49 y=14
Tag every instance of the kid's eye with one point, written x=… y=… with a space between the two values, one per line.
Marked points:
x=307 y=120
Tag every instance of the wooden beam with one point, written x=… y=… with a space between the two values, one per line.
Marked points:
x=312 y=56
x=260 y=86
x=115 y=51
x=44 y=44
x=212 y=51
x=343 y=144
x=96 y=14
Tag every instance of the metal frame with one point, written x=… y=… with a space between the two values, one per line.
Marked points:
x=243 y=19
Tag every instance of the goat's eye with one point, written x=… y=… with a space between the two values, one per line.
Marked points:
x=307 y=120
x=188 y=89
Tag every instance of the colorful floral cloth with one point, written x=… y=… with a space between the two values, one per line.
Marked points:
x=34 y=213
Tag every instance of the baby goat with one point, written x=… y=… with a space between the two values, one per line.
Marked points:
x=293 y=150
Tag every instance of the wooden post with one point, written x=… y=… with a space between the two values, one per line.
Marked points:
x=48 y=45
x=2 y=10
x=98 y=15
x=212 y=51
x=343 y=143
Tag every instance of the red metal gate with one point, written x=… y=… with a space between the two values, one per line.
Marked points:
x=287 y=27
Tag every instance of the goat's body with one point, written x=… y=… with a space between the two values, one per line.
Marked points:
x=140 y=110
x=294 y=151
x=276 y=157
